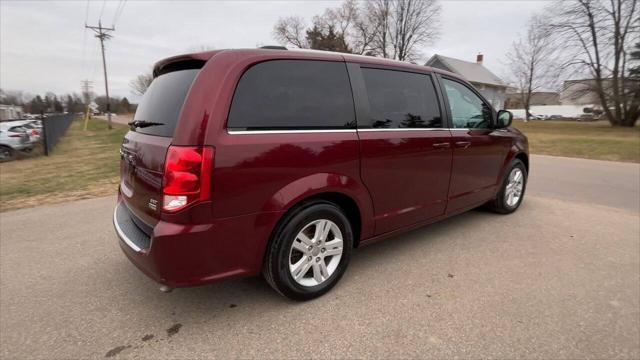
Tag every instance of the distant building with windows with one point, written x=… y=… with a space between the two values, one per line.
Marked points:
x=486 y=82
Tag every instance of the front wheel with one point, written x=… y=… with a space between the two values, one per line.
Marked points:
x=511 y=193
x=310 y=251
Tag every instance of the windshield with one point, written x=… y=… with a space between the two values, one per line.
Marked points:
x=163 y=101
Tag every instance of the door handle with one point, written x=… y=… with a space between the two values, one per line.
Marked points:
x=463 y=144
x=444 y=145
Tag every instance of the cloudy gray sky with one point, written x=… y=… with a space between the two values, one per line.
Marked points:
x=44 y=46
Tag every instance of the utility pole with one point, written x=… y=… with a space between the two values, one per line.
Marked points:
x=102 y=33
x=86 y=94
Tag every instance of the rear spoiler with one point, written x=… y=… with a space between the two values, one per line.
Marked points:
x=182 y=62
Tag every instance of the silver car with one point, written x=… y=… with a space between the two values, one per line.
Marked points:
x=13 y=138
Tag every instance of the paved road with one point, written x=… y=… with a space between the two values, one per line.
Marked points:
x=608 y=183
x=558 y=279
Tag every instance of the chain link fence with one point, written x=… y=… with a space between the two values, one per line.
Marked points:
x=53 y=128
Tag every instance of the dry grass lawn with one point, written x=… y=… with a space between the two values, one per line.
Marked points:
x=83 y=165
x=590 y=140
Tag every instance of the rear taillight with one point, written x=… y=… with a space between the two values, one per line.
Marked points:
x=187 y=176
x=16 y=135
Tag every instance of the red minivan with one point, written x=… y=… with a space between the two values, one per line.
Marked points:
x=281 y=162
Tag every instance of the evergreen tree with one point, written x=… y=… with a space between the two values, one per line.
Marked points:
x=326 y=39
x=125 y=106
x=38 y=105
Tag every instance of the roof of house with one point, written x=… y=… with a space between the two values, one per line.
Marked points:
x=472 y=71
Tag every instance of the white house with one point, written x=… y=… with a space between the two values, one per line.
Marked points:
x=487 y=83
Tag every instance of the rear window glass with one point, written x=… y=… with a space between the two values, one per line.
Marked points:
x=163 y=101
x=293 y=94
x=400 y=99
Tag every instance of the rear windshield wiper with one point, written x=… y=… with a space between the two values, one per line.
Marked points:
x=142 y=124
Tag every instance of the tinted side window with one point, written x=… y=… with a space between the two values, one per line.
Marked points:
x=467 y=109
x=400 y=99
x=163 y=101
x=293 y=94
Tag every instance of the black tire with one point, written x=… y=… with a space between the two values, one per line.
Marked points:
x=499 y=204
x=277 y=259
x=6 y=153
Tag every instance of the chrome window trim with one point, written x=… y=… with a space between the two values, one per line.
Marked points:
x=256 y=132
x=264 y=132
x=121 y=234
x=403 y=129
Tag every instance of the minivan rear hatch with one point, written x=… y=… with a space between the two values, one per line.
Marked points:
x=145 y=146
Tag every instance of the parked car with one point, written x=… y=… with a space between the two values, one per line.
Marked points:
x=587 y=118
x=32 y=127
x=13 y=138
x=280 y=162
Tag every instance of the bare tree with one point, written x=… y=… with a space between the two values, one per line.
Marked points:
x=415 y=23
x=365 y=31
x=532 y=62
x=597 y=34
x=379 y=13
x=350 y=24
x=141 y=83
x=402 y=26
x=388 y=28
x=291 y=31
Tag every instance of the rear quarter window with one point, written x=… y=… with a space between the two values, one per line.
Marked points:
x=163 y=100
x=293 y=94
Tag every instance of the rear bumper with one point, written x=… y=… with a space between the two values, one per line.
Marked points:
x=180 y=255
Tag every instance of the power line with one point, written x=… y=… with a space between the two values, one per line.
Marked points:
x=86 y=13
x=95 y=63
x=103 y=34
x=104 y=2
x=118 y=12
x=84 y=41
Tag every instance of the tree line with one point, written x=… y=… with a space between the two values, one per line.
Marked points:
x=52 y=103
x=595 y=40
x=569 y=39
x=598 y=40
x=394 y=29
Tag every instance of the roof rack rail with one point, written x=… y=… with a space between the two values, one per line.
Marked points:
x=273 y=47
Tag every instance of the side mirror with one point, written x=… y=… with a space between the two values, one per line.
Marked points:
x=504 y=119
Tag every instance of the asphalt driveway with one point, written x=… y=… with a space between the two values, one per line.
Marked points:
x=560 y=278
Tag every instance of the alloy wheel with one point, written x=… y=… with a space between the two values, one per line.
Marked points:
x=315 y=252
x=515 y=185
